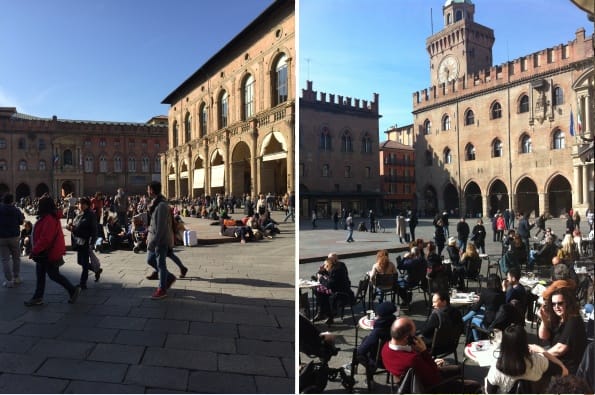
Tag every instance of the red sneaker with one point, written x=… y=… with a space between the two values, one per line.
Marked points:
x=159 y=294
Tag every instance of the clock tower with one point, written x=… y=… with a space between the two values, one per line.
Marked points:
x=462 y=47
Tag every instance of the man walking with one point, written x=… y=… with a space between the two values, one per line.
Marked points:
x=11 y=218
x=349 y=224
x=372 y=217
x=290 y=207
x=121 y=206
x=463 y=234
x=159 y=238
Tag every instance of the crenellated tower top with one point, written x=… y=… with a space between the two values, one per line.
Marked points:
x=344 y=102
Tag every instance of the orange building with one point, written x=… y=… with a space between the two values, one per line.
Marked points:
x=397 y=175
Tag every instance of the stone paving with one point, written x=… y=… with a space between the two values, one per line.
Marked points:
x=359 y=257
x=228 y=327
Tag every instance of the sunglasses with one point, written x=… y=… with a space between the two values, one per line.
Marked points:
x=554 y=304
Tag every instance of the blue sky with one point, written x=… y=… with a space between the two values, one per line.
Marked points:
x=351 y=48
x=109 y=60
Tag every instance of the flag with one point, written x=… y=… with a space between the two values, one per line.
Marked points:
x=571 y=123
x=579 y=124
x=56 y=158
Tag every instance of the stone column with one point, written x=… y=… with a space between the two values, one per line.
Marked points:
x=543 y=203
x=207 y=167
x=577 y=196
x=226 y=158
x=291 y=150
x=190 y=167
x=585 y=184
x=485 y=205
x=254 y=168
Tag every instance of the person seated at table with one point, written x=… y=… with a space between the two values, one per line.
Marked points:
x=507 y=240
x=568 y=253
x=514 y=290
x=562 y=327
x=443 y=315
x=516 y=362
x=516 y=256
x=367 y=350
x=586 y=369
x=437 y=273
x=483 y=312
x=405 y=351
x=116 y=235
x=562 y=271
x=415 y=268
x=470 y=261
x=569 y=384
x=453 y=254
x=334 y=282
x=383 y=265
x=544 y=254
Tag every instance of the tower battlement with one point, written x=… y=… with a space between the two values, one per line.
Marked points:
x=523 y=68
x=344 y=102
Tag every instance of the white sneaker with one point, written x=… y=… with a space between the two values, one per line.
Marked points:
x=8 y=284
x=17 y=280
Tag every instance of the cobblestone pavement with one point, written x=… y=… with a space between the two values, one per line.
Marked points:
x=359 y=257
x=228 y=327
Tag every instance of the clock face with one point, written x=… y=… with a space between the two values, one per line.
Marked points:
x=448 y=69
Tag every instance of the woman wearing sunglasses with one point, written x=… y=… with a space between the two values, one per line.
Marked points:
x=516 y=362
x=562 y=326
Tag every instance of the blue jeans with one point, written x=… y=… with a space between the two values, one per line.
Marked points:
x=53 y=272
x=290 y=214
x=462 y=244
x=476 y=319
x=349 y=234
x=171 y=255
x=156 y=259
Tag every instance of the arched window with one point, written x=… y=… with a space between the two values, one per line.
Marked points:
x=204 y=120
x=102 y=142
x=458 y=15
x=558 y=96
x=117 y=164
x=42 y=165
x=188 y=128
x=496 y=148
x=526 y=145
x=427 y=127
x=558 y=142
x=102 y=164
x=325 y=140
x=2 y=143
x=326 y=170
x=496 y=111
x=248 y=89
x=223 y=109
x=347 y=171
x=157 y=165
x=346 y=144
x=469 y=118
x=88 y=164
x=22 y=165
x=41 y=144
x=175 y=134
x=524 y=104
x=131 y=165
x=446 y=123
x=3 y=166
x=22 y=144
x=470 y=152
x=145 y=164
x=280 y=85
x=447 y=157
x=68 y=159
x=366 y=144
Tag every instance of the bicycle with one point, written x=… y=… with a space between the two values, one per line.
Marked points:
x=379 y=226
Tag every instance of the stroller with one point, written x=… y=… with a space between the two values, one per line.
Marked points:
x=315 y=375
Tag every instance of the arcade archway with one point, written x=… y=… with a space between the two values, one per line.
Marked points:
x=22 y=191
x=241 y=178
x=473 y=202
x=451 y=199
x=430 y=201
x=273 y=172
x=559 y=194
x=498 y=196
x=527 y=198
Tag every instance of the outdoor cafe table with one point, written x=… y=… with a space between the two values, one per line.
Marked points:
x=367 y=321
x=484 y=352
x=304 y=285
x=464 y=299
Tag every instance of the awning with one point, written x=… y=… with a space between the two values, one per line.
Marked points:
x=275 y=156
x=217 y=175
x=199 y=179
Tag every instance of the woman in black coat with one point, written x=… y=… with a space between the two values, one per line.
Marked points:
x=478 y=236
x=335 y=287
x=483 y=312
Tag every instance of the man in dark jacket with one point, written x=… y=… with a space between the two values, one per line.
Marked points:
x=368 y=349
x=415 y=267
x=524 y=230
x=445 y=316
x=11 y=218
x=463 y=234
x=84 y=234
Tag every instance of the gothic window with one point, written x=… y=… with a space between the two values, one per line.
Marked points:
x=203 y=120
x=496 y=149
x=131 y=165
x=447 y=156
x=469 y=118
x=131 y=144
x=3 y=166
x=2 y=143
x=117 y=164
x=102 y=142
x=41 y=144
x=558 y=142
x=89 y=164
x=446 y=123
x=347 y=171
x=22 y=165
x=281 y=81
x=524 y=104
x=496 y=111
x=427 y=127
x=187 y=128
x=326 y=170
x=223 y=109
x=367 y=172
x=157 y=165
x=526 y=145
x=22 y=144
x=175 y=134
x=248 y=97
x=145 y=164
x=346 y=143
x=325 y=140
x=42 y=165
x=366 y=144
x=102 y=164
x=143 y=144
x=87 y=143
x=558 y=96
x=469 y=152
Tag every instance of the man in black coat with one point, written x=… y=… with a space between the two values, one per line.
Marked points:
x=444 y=315
x=463 y=234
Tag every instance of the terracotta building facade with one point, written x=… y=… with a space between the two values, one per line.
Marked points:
x=61 y=156
x=397 y=175
x=232 y=122
x=495 y=137
x=338 y=161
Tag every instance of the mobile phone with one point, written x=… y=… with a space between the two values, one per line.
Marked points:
x=411 y=340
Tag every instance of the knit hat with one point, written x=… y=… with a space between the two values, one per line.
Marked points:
x=385 y=309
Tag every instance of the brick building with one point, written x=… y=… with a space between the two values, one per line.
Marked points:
x=60 y=156
x=397 y=175
x=232 y=122
x=497 y=137
x=338 y=162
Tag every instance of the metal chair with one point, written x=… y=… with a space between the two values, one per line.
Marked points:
x=386 y=284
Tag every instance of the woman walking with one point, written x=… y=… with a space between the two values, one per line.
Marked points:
x=84 y=234
x=47 y=251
